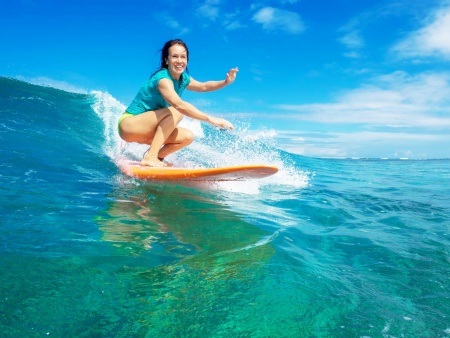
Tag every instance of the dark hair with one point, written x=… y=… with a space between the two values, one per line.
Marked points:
x=165 y=52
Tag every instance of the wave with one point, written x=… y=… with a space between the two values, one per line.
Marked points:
x=88 y=121
x=55 y=84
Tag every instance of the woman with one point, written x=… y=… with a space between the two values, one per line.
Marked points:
x=153 y=116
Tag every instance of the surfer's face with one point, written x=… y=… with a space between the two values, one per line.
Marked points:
x=177 y=60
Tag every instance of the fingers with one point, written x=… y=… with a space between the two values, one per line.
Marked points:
x=225 y=125
x=222 y=123
x=231 y=75
x=232 y=72
x=228 y=125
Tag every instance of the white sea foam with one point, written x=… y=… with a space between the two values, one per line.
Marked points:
x=109 y=109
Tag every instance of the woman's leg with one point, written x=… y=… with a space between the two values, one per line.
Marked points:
x=180 y=138
x=159 y=129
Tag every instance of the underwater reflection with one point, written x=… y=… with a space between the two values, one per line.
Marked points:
x=181 y=223
x=206 y=258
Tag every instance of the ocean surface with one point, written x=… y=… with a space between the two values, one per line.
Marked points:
x=324 y=248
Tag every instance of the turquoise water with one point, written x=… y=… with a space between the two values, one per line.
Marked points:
x=325 y=248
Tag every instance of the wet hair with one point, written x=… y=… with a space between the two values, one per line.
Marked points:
x=165 y=52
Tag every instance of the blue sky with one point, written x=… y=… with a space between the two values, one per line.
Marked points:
x=341 y=78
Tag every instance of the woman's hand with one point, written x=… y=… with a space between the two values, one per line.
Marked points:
x=222 y=123
x=231 y=75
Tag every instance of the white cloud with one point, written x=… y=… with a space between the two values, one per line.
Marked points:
x=231 y=21
x=258 y=74
x=363 y=144
x=352 y=55
x=352 y=40
x=273 y=19
x=433 y=39
x=394 y=100
x=209 y=9
x=233 y=25
x=395 y=115
x=172 y=23
x=352 y=32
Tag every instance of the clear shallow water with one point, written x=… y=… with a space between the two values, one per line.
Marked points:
x=325 y=248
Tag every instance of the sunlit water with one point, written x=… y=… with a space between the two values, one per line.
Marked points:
x=325 y=248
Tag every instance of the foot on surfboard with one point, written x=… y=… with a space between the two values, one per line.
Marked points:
x=152 y=161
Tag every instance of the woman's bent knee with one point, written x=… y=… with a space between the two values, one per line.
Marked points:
x=188 y=136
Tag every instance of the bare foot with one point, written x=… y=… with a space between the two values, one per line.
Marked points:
x=152 y=161
x=167 y=163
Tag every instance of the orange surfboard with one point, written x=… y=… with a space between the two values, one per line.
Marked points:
x=233 y=173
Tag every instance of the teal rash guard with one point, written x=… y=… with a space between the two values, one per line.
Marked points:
x=149 y=97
